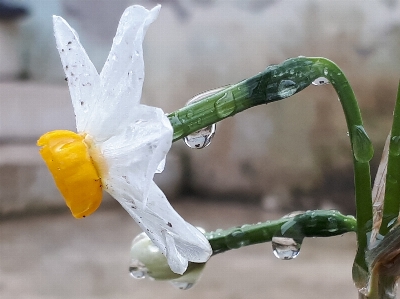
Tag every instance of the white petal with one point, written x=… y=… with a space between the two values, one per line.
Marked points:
x=123 y=73
x=136 y=150
x=82 y=76
x=177 y=239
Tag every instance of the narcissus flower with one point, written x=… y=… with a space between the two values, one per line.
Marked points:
x=119 y=143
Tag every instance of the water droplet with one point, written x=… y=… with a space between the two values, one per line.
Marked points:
x=285 y=248
x=138 y=272
x=395 y=145
x=291 y=71
x=326 y=71
x=201 y=138
x=320 y=81
x=225 y=105
x=136 y=268
x=189 y=114
x=332 y=224
x=362 y=146
x=286 y=88
x=182 y=285
x=236 y=239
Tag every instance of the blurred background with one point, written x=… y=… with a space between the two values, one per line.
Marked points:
x=289 y=155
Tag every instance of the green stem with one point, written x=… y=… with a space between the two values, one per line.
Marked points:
x=362 y=153
x=392 y=189
x=318 y=223
x=279 y=82
x=276 y=82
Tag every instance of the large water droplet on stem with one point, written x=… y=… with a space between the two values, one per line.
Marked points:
x=285 y=248
x=286 y=88
x=320 y=81
x=201 y=138
x=225 y=105
x=362 y=146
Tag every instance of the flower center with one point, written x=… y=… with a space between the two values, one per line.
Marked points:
x=67 y=157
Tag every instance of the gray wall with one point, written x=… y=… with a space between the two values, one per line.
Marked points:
x=294 y=153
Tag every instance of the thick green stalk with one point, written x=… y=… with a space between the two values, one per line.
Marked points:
x=392 y=189
x=318 y=223
x=275 y=83
x=362 y=153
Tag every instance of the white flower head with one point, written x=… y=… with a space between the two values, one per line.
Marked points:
x=128 y=141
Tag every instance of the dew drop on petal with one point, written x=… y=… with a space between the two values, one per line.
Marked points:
x=285 y=248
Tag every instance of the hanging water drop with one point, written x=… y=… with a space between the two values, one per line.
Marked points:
x=136 y=268
x=138 y=271
x=201 y=138
x=182 y=285
x=326 y=71
x=362 y=146
x=285 y=248
x=320 y=81
x=286 y=88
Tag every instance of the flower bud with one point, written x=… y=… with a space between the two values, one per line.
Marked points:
x=148 y=261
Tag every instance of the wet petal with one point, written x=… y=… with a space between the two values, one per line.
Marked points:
x=135 y=152
x=123 y=73
x=82 y=76
x=178 y=240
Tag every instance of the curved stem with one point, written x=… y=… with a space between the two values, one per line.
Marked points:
x=362 y=152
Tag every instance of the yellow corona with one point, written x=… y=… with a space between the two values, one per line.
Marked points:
x=67 y=156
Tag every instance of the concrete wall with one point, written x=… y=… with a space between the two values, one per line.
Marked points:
x=298 y=155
